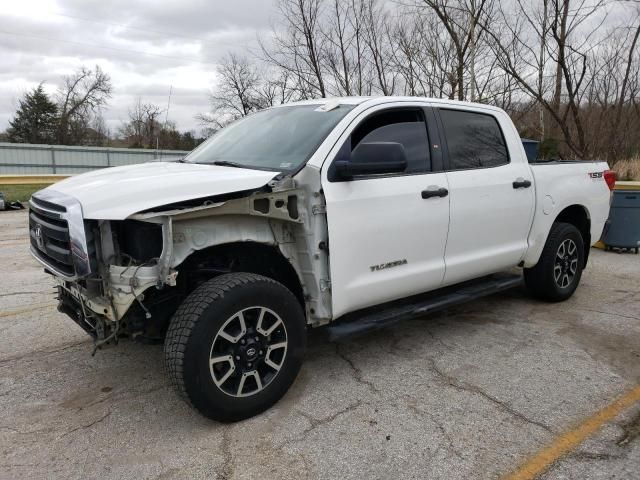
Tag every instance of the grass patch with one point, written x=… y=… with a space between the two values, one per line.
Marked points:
x=628 y=169
x=20 y=193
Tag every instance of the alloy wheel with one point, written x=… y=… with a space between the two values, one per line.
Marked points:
x=566 y=263
x=248 y=351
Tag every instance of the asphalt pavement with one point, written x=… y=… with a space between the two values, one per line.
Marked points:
x=477 y=391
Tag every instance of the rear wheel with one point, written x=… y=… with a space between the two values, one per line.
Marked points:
x=235 y=345
x=557 y=274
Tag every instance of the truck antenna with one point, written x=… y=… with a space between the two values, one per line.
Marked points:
x=166 y=119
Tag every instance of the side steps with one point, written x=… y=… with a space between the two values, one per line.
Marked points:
x=380 y=316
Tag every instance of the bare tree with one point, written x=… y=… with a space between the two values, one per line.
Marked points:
x=275 y=89
x=564 y=79
x=83 y=94
x=423 y=56
x=143 y=127
x=460 y=18
x=298 y=47
x=338 y=38
x=333 y=47
x=357 y=9
x=629 y=79
x=408 y=56
x=565 y=53
x=98 y=133
x=377 y=37
x=237 y=84
x=614 y=72
x=242 y=88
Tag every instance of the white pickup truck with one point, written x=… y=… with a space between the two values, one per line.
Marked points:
x=358 y=211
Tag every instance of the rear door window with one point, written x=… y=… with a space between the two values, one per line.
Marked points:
x=474 y=140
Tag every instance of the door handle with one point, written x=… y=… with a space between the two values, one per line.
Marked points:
x=521 y=183
x=436 y=192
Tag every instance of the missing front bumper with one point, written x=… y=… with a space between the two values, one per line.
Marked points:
x=72 y=307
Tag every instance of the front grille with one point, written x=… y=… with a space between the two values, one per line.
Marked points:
x=49 y=234
x=60 y=238
x=48 y=205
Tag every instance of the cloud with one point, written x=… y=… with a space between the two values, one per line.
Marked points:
x=146 y=47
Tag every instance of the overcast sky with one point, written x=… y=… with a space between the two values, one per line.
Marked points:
x=146 y=46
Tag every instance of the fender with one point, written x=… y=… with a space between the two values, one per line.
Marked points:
x=575 y=214
x=284 y=218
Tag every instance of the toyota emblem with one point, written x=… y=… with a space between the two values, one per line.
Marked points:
x=37 y=233
x=251 y=352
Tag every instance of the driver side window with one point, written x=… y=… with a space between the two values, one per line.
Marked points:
x=404 y=126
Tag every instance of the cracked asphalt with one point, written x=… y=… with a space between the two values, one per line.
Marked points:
x=469 y=393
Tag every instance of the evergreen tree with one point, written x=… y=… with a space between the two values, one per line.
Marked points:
x=36 y=119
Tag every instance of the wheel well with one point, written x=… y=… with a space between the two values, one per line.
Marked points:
x=203 y=265
x=250 y=257
x=578 y=216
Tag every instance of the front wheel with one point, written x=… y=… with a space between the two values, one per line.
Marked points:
x=235 y=345
x=557 y=273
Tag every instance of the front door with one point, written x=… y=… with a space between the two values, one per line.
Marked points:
x=387 y=233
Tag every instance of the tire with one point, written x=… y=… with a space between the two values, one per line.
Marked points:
x=542 y=280
x=206 y=366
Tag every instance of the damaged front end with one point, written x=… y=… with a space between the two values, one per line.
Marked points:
x=119 y=296
x=102 y=268
x=126 y=278
x=122 y=308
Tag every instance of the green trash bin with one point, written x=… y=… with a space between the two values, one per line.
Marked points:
x=622 y=229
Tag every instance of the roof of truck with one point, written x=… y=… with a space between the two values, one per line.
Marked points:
x=375 y=100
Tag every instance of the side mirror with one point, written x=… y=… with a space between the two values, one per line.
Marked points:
x=373 y=158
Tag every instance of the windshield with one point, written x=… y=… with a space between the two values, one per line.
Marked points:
x=278 y=139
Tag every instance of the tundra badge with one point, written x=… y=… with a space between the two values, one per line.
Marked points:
x=382 y=266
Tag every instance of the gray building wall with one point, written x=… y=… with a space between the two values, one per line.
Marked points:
x=27 y=159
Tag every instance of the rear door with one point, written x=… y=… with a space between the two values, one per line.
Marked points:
x=491 y=193
x=386 y=241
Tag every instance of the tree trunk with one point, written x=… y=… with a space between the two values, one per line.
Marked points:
x=543 y=46
x=561 y=37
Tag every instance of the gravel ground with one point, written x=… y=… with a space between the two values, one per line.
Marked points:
x=469 y=393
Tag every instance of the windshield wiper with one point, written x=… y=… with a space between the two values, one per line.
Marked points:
x=225 y=163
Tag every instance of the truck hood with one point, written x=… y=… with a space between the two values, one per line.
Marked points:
x=119 y=192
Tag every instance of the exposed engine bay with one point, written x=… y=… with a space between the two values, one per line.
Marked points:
x=141 y=268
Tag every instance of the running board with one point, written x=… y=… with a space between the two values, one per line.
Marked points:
x=380 y=316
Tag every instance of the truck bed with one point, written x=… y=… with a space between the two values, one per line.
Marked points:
x=560 y=184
